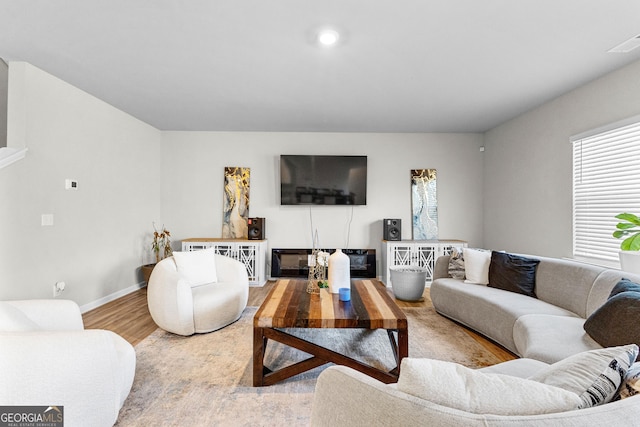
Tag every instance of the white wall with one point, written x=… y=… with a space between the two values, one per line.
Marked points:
x=528 y=165
x=4 y=86
x=97 y=242
x=192 y=184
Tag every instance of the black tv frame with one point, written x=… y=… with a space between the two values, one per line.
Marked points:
x=317 y=191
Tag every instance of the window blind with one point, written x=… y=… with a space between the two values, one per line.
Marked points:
x=606 y=182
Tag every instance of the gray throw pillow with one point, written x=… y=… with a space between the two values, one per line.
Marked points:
x=616 y=321
x=456 y=263
x=594 y=375
x=624 y=285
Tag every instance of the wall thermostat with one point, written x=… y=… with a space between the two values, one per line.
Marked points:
x=71 y=184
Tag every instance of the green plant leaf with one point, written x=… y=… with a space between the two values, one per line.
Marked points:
x=631 y=243
x=618 y=234
x=629 y=217
x=625 y=225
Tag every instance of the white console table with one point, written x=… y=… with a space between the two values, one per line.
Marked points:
x=252 y=253
x=422 y=253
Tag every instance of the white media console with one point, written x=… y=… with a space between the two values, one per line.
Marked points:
x=252 y=253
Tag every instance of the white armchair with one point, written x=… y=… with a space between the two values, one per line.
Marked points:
x=48 y=358
x=197 y=292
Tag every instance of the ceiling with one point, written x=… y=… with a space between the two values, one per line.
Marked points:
x=253 y=65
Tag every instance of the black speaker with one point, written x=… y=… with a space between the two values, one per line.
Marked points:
x=392 y=229
x=255 y=228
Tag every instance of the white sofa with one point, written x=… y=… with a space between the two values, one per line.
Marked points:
x=197 y=292
x=345 y=397
x=48 y=358
x=546 y=331
x=546 y=328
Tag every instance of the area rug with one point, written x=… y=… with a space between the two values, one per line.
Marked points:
x=206 y=379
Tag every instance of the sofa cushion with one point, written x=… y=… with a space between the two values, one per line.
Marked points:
x=513 y=273
x=567 y=284
x=197 y=267
x=616 y=322
x=14 y=320
x=593 y=375
x=456 y=386
x=456 y=263
x=476 y=265
x=551 y=338
x=491 y=311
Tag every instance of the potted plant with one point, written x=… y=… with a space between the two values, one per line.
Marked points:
x=629 y=229
x=161 y=246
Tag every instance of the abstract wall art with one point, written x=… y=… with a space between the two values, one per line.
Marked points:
x=236 y=202
x=424 y=204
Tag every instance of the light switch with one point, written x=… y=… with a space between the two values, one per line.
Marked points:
x=47 y=220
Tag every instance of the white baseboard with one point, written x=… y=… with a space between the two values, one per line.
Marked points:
x=95 y=304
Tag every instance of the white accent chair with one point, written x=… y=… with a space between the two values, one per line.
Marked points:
x=197 y=292
x=48 y=358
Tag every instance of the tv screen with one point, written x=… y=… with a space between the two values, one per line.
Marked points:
x=323 y=180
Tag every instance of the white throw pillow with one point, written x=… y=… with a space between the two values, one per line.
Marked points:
x=476 y=265
x=594 y=375
x=197 y=267
x=14 y=320
x=456 y=386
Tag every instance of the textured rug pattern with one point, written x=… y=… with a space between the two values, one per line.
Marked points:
x=206 y=379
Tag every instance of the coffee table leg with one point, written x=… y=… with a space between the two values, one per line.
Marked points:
x=258 y=356
x=403 y=345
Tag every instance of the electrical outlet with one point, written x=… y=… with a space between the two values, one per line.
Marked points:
x=58 y=288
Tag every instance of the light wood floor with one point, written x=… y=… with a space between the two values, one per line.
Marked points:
x=129 y=317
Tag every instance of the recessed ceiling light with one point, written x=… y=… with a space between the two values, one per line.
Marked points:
x=328 y=38
x=626 y=46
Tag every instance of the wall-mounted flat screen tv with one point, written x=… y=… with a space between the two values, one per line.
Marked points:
x=323 y=180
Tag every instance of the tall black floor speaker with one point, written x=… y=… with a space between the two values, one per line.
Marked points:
x=255 y=229
x=392 y=229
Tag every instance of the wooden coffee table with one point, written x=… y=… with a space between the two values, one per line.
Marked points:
x=288 y=305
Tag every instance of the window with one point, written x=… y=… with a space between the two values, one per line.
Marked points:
x=606 y=182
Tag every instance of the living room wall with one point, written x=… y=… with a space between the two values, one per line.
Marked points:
x=97 y=241
x=131 y=174
x=528 y=164
x=192 y=185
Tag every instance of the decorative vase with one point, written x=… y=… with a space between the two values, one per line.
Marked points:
x=339 y=271
x=630 y=261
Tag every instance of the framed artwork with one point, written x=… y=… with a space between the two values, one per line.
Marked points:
x=424 y=204
x=236 y=202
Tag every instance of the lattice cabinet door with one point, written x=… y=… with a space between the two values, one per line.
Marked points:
x=401 y=254
x=251 y=253
x=226 y=249
x=195 y=246
x=425 y=256
x=247 y=254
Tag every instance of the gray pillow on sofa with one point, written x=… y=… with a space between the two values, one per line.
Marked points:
x=456 y=263
x=616 y=321
x=624 y=285
x=594 y=375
